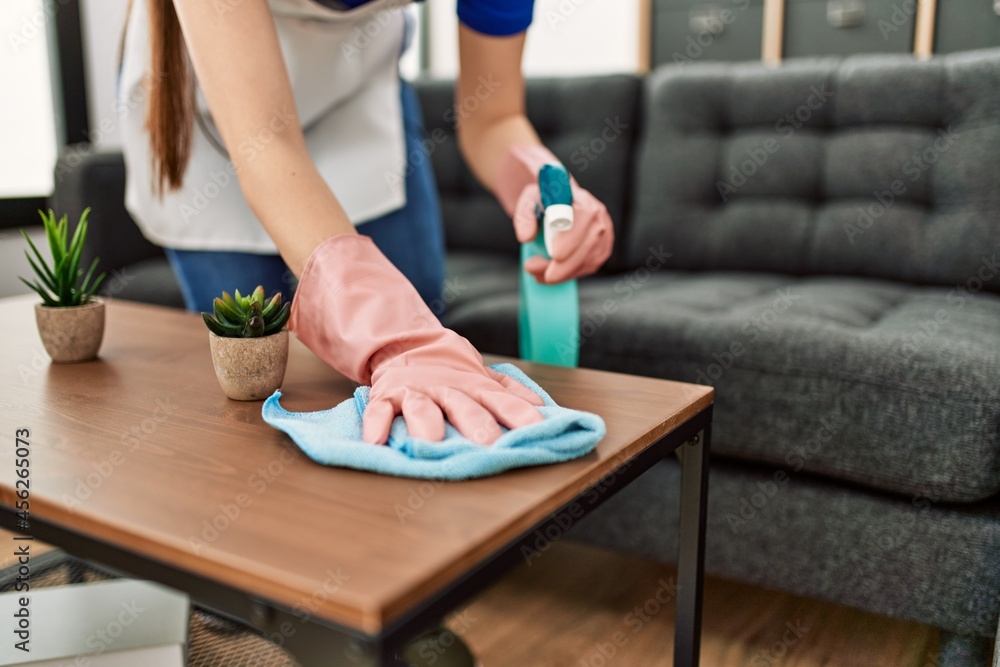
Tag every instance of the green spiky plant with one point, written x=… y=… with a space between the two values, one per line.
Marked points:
x=250 y=316
x=62 y=284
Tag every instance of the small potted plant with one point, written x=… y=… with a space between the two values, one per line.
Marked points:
x=70 y=318
x=249 y=344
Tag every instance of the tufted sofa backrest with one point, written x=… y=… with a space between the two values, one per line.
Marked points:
x=590 y=124
x=878 y=166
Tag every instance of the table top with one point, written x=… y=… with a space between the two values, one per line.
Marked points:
x=156 y=460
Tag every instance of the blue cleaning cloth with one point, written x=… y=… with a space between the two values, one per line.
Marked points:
x=333 y=437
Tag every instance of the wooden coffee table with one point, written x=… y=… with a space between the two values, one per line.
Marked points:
x=140 y=463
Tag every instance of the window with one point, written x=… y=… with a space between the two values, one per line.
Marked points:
x=29 y=133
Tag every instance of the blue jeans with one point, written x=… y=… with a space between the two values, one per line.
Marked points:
x=411 y=237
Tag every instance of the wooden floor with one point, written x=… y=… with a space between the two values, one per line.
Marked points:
x=578 y=606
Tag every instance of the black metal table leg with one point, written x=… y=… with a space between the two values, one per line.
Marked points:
x=691 y=548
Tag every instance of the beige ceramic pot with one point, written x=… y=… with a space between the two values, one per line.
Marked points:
x=250 y=369
x=71 y=334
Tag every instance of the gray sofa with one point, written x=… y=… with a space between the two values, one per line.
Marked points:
x=818 y=241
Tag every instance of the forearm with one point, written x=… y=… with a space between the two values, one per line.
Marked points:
x=292 y=201
x=485 y=143
x=239 y=64
x=490 y=75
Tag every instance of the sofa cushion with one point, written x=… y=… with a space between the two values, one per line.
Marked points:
x=878 y=165
x=871 y=381
x=588 y=122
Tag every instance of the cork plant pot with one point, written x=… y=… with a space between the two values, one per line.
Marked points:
x=71 y=334
x=250 y=369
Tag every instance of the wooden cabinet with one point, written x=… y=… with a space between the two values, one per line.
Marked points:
x=695 y=30
x=683 y=31
x=966 y=24
x=843 y=27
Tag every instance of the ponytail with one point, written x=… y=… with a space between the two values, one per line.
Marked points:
x=170 y=113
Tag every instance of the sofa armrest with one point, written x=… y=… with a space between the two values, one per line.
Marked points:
x=85 y=177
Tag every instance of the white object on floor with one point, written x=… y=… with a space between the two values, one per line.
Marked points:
x=117 y=623
x=156 y=656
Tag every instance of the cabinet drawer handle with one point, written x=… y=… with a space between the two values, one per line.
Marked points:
x=708 y=19
x=846 y=13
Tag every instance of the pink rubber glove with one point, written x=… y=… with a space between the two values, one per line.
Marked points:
x=576 y=252
x=359 y=314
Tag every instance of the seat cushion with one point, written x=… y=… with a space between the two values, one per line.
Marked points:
x=876 y=382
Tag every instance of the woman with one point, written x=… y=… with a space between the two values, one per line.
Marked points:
x=265 y=130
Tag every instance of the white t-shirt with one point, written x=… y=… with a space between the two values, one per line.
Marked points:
x=343 y=67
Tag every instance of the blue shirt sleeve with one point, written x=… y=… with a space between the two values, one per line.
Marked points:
x=497 y=18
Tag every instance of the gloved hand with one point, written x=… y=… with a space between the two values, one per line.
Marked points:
x=576 y=252
x=359 y=314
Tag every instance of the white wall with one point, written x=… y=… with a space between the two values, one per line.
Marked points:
x=567 y=37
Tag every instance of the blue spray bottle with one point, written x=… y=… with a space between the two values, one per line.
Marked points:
x=549 y=315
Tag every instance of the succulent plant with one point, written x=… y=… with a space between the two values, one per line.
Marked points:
x=63 y=283
x=250 y=316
